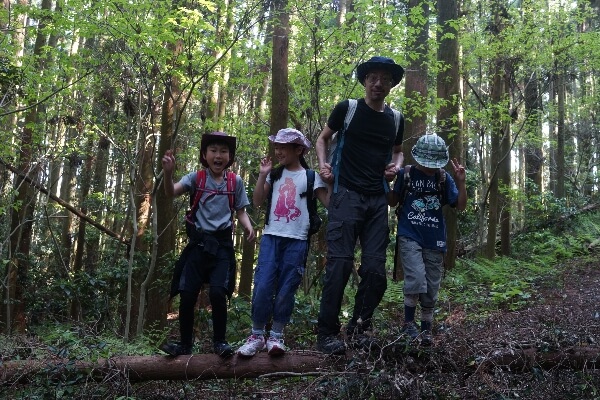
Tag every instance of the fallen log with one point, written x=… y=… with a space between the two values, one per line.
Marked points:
x=196 y=366
x=524 y=359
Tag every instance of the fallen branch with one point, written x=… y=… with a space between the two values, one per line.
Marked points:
x=64 y=204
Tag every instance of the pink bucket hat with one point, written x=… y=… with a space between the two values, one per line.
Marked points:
x=292 y=136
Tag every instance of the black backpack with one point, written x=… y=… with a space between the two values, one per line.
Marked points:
x=311 y=202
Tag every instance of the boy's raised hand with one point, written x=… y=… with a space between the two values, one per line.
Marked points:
x=460 y=174
x=168 y=162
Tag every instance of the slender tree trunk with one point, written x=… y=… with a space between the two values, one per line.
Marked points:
x=22 y=218
x=260 y=109
x=280 y=88
x=560 y=135
x=448 y=92
x=415 y=80
x=497 y=97
x=504 y=173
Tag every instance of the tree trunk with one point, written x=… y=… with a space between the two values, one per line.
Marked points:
x=559 y=191
x=193 y=367
x=415 y=80
x=497 y=97
x=22 y=218
x=448 y=116
x=280 y=88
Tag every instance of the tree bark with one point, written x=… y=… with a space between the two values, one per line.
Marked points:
x=280 y=89
x=415 y=80
x=448 y=117
x=22 y=217
x=193 y=367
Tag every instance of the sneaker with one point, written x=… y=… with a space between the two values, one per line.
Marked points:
x=410 y=329
x=331 y=345
x=176 y=349
x=253 y=345
x=223 y=349
x=275 y=346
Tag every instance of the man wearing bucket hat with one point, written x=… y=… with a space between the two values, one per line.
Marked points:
x=284 y=243
x=422 y=229
x=209 y=257
x=370 y=149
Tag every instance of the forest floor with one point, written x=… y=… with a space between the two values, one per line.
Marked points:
x=548 y=349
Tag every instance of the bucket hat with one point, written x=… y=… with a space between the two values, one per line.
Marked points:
x=209 y=138
x=430 y=151
x=379 y=62
x=290 y=135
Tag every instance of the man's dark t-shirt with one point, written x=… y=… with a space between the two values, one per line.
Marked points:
x=368 y=144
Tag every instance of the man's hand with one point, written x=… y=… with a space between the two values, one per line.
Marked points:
x=326 y=173
x=390 y=172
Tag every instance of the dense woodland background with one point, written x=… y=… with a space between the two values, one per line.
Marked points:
x=92 y=93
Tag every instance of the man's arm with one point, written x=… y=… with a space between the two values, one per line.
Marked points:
x=321 y=146
x=394 y=166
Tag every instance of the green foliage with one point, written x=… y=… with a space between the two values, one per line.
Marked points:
x=483 y=285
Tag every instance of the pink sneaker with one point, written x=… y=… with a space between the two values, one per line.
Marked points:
x=253 y=345
x=275 y=346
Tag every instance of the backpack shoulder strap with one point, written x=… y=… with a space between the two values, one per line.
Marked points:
x=441 y=186
x=397 y=118
x=405 y=188
x=200 y=184
x=310 y=183
x=352 y=104
x=274 y=175
x=231 y=183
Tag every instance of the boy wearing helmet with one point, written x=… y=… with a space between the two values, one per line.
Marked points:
x=209 y=256
x=422 y=230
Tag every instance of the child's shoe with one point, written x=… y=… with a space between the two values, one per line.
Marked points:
x=331 y=345
x=176 y=349
x=410 y=329
x=275 y=346
x=223 y=349
x=426 y=337
x=253 y=345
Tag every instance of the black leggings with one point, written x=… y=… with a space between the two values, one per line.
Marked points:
x=218 y=302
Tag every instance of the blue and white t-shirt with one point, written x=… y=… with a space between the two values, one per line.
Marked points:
x=421 y=218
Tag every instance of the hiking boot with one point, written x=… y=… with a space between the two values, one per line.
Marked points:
x=176 y=349
x=364 y=341
x=410 y=329
x=253 y=345
x=223 y=349
x=275 y=346
x=331 y=345
x=426 y=336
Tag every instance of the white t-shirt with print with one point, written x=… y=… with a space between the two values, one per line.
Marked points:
x=288 y=216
